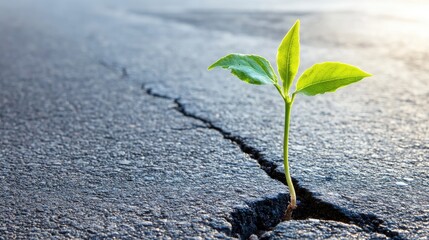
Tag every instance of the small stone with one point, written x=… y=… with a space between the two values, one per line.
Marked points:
x=57 y=163
x=401 y=184
x=146 y=223
x=64 y=231
x=39 y=209
x=124 y=162
x=113 y=234
x=253 y=237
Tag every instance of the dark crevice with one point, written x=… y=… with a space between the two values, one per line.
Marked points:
x=115 y=68
x=264 y=214
x=154 y=94
x=124 y=73
x=258 y=216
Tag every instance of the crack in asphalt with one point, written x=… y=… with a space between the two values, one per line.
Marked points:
x=262 y=218
x=263 y=215
x=115 y=68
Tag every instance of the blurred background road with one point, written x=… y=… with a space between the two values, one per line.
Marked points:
x=111 y=126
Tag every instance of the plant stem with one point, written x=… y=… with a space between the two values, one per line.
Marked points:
x=292 y=204
x=279 y=89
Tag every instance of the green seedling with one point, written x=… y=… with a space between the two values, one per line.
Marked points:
x=318 y=79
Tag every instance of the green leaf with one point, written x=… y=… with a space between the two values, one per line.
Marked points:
x=328 y=77
x=288 y=57
x=249 y=68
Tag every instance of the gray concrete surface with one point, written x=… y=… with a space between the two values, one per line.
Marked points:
x=112 y=127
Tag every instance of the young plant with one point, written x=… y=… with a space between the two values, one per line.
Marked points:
x=318 y=79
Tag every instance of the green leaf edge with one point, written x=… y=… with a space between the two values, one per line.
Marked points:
x=287 y=84
x=365 y=75
x=274 y=81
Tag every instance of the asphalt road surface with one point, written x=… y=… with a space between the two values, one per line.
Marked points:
x=111 y=126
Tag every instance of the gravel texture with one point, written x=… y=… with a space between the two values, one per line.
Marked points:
x=112 y=127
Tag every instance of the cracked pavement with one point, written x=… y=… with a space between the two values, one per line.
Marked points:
x=111 y=127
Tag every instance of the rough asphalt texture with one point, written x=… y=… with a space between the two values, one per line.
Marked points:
x=111 y=127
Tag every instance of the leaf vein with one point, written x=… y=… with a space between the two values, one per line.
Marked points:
x=330 y=80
